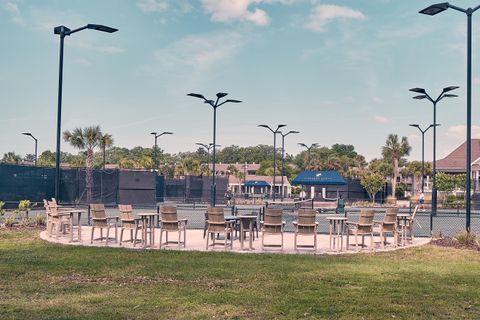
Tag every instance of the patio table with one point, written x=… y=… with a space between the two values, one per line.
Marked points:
x=337 y=231
x=250 y=219
x=148 y=228
x=402 y=219
x=71 y=212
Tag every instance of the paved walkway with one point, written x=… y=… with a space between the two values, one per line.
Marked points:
x=196 y=242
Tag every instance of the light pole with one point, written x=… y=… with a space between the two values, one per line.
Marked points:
x=36 y=143
x=63 y=31
x=214 y=105
x=423 y=149
x=425 y=95
x=431 y=11
x=283 y=155
x=274 y=152
x=207 y=147
x=308 y=149
x=245 y=166
x=155 y=160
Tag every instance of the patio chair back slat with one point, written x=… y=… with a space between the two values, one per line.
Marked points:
x=273 y=221
x=169 y=218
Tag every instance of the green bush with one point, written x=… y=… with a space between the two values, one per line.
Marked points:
x=466 y=238
x=10 y=221
x=40 y=220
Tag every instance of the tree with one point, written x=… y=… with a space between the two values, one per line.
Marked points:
x=29 y=157
x=11 y=157
x=373 y=183
x=414 y=169
x=85 y=139
x=393 y=151
x=106 y=141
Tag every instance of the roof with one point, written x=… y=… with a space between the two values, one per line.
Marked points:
x=232 y=180
x=331 y=177
x=257 y=183
x=456 y=160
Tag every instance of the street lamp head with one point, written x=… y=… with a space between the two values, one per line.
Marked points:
x=292 y=132
x=435 y=9
x=61 y=29
x=221 y=95
x=196 y=95
x=450 y=88
x=154 y=133
x=450 y=96
x=26 y=133
x=264 y=126
x=281 y=126
x=233 y=100
x=100 y=27
x=414 y=125
x=418 y=90
x=420 y=97
x=167 y=132
x=303 y=145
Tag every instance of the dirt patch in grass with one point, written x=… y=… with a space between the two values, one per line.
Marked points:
x=454 y=243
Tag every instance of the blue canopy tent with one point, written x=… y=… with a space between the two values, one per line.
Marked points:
x=256 y=186
x=320 y=178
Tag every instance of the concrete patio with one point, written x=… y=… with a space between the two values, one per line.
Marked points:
x=196 y=242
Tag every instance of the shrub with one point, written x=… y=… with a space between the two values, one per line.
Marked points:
x=40 y=220
x=466 y=238
x=9 y=221
x=26 y=222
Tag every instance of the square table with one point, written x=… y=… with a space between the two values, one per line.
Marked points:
x=148 y=228
x=337 y=231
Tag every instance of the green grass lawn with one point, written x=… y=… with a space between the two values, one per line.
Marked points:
x=39 y=280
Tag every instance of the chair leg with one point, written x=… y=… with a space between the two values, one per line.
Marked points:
x=263 y=241
x=295 y=242
x=91 y=237
x=161 y=237
x=371 y=241
x=185 y=237
x=101 y=234
x=136 y=233
x=131 y=235
x=116 y=233
x=356 y=242
x=108 y=233
x=208 y=237
x=179 y=238
x=315 y=241
x=121 y=235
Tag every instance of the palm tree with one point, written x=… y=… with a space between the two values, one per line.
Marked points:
x=11 y=157
x=106 y=141
x=394 y=151
x=86 y=139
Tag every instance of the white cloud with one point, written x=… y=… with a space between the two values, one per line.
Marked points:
x=233 y=10
x=381 y=119
x=200 y=52
x=322 y=14
x=13 y=9
x=110 y=49
x=149 y=6
x=377 y=99
x=459 y=133
x=84 y=62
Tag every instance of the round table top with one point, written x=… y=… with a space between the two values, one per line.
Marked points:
x=338 y=218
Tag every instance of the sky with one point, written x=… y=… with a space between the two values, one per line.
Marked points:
x=337 y=71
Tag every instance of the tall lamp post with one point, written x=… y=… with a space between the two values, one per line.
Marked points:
x=155 y=160
x=423 y=149
x=36 y=143
x=207 y=147
x=274 y=152
x=214 y=105
x=425 y=95
x=63 y=31
x=308 y=149
x=431 y=11
x=283 y=155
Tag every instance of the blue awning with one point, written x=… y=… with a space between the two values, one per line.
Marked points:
x=331 y=177
x=257 y=183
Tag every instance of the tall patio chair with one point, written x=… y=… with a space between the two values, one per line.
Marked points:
x=388 y=225
x=217 y=224
x=364 y=227
x=306 y=226
x=170 y=223
x=128 y=222
x=411 y=221
x=101 y=221
x=58 y=220
x=273 y=225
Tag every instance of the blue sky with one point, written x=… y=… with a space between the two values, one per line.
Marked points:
x=337 y=71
